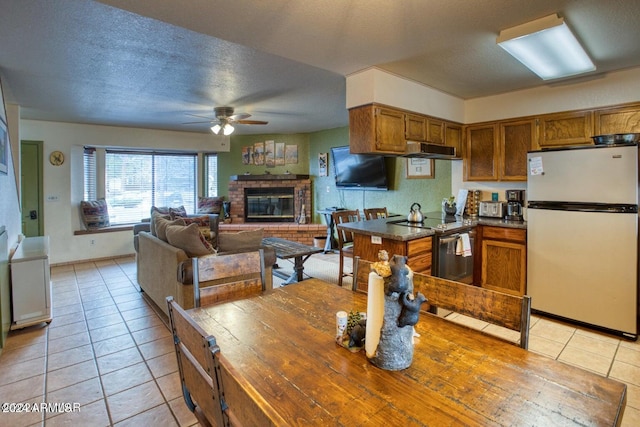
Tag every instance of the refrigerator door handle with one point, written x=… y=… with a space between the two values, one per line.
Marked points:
x=584 y=207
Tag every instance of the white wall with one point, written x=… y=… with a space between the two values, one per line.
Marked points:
x=9 y=205
x=63 y=184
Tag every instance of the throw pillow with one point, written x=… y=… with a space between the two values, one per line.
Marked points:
x=203 y=225
x=189 y=239
x=155 y=214
x=176 y=212
x=162 y=225
x=241 y=241
x=95 y=214
x=209 y=205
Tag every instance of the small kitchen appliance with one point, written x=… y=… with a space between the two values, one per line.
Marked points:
x=515 y=202
x=492 y=209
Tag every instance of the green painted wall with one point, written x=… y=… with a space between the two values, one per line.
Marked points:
x=402 y=193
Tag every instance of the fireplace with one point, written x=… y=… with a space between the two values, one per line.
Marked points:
x=270 y=198
x=275 y=204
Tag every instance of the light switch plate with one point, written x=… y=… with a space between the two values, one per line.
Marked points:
x=376 y=240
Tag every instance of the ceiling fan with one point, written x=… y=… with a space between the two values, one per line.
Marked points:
x=224 y=120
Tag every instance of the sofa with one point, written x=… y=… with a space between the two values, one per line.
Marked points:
x=164 y=269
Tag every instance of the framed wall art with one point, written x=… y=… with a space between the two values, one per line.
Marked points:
x=269 y=154
x=420 y=168
x=291 y=154
x=279 y=153
x=323 y=164
x=258 y=153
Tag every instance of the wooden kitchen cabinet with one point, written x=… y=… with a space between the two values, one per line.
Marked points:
x=481 y=158
x=570 y=128
x=516 y=139
x=415 y=127
x=503 y=256
x=435 y=131
x=617 y=120
x=453 y=137
x=417 y=251
x=376 y=130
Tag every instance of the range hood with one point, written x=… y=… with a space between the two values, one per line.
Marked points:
x=426 y=150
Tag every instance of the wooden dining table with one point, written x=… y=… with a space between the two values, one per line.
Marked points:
x=283 y=343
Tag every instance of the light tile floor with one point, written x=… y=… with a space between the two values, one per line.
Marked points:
x=109 y=352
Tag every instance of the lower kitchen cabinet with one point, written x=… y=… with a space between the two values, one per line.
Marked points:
x=504 y=259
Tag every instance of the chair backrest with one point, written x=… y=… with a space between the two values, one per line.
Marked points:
x=212 y=389
x=376 y=213
x=506 y=310
x=341 y=217
x=227 y=277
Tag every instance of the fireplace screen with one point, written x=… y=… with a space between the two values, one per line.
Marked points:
x=269 y=204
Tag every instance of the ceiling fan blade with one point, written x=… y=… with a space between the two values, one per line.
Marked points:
x=202 y=117
x=251 y=122
x=195 y=123
x=239 y=116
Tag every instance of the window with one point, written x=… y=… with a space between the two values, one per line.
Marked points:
x=211 y=175
x=89 y=159
x=136 y=180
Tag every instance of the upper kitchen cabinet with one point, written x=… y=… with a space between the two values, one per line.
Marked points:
x=571 y=128
x=481 y=158
x=415 y=127
x=453 y=137
x=376 y=129
x=516 y=139
x=497 y=151
x=624 y=119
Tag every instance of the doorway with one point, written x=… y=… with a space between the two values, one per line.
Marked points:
x=31 y=188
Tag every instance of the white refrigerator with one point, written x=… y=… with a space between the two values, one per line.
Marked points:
x=582 y=235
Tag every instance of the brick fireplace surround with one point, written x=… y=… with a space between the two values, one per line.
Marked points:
x=302 y=233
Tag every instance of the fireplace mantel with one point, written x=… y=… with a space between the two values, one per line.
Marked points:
x=267 y=176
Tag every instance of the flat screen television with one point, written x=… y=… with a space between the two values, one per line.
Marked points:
x=359 y=171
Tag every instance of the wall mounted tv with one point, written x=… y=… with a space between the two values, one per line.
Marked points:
x=359 y=171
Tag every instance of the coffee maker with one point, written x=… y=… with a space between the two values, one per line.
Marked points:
x=515 y=203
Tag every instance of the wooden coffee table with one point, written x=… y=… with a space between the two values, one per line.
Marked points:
x=286 y=249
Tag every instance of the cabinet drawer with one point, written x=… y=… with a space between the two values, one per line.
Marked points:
x=421 y=264
x=504 y=233
x=418 y=246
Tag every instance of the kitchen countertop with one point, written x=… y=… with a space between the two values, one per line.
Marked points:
x=386 y=229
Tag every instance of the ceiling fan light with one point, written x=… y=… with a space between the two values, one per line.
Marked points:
x=228 y=129
x=547 y=47
x=216 y=129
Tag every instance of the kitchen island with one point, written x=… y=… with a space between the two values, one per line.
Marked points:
x=417 y=243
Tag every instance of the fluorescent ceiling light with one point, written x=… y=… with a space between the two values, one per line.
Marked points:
x=547 y=47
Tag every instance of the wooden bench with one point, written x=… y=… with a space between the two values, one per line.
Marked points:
x=505 y=310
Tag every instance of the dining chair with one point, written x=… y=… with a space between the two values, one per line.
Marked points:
x=376 y=213
x=345 y=238
x=212 y=389
x=498 y=308
x=227 y=277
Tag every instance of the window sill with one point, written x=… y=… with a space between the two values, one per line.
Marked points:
x=110 y=229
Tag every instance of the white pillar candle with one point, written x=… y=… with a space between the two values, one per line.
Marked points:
x=375 y=313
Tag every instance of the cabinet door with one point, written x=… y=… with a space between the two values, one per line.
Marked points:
x=435 y=131
x=516 y=138
x=480 y=162
x=573 y=128
x=504 y=266
x=453 y=137
x=415 y=127
x=389 y=131
x=617 y=120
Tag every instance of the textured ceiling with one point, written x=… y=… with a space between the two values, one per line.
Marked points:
x=147 y=63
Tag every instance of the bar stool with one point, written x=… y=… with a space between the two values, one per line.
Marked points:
x=345 y=238
x=375 y=213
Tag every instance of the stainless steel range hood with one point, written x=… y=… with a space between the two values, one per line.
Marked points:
x=428 y=150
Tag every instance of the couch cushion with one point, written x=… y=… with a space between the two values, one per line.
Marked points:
x=189 y=239
x=95 y=214
x=203 y=225
x=241 y=241
x=208 y=205
x=162 y=224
